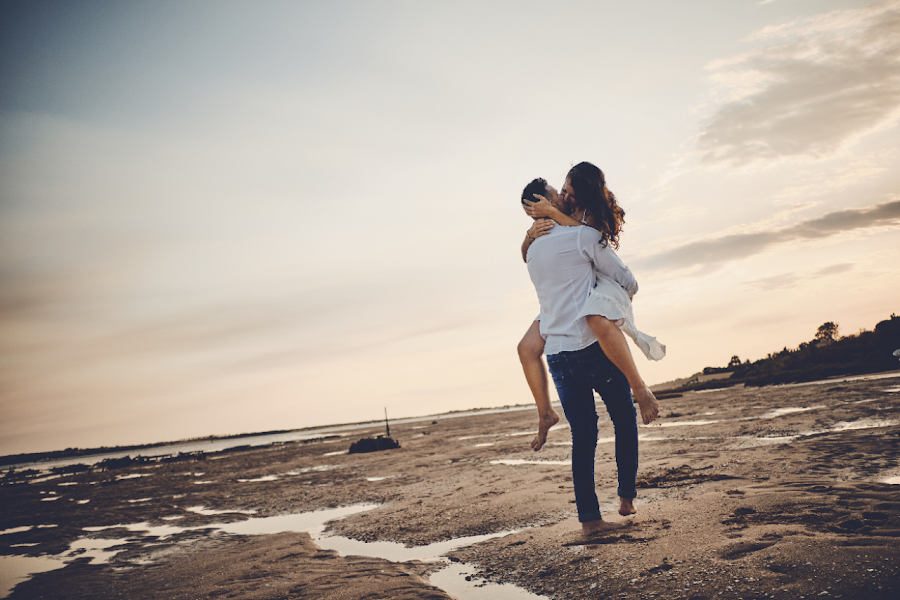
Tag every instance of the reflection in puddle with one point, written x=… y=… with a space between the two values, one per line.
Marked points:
x=459 y=581
x=209 y=511
x=520 y=461
x=140 y=500
x=485 y=444
x=892 y=389
x=16 y=530
x=396 y=552
x=891 y=480
x=335 y=453
x=135 y=476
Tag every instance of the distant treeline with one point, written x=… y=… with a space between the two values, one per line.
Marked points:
x=826 y=355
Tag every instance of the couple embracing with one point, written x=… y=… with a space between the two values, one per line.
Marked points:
x=585 y=293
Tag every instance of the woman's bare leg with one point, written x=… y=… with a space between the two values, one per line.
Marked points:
x=531 y=350
x=614 y=345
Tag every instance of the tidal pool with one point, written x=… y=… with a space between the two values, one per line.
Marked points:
x=15 y=569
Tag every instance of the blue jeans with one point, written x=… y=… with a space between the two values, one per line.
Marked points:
x=576 y=374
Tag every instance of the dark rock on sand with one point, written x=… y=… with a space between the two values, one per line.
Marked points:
x=373 y=445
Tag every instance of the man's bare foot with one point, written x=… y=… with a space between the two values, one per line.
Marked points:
x=545 y=422
x=626 y=507
x=600 y=526
x=647 y=403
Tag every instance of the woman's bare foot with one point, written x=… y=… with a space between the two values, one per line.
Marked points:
x=626 y=507
x=600 y=526
x=545 y=422
x=647 y=403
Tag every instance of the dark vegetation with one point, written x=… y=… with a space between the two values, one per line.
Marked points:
x=826 y=355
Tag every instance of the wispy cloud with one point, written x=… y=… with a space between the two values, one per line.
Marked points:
x=737 y=246
x=826 y=82
x=789 y=280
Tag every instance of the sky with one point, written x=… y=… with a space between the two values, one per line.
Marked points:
x=220 y=217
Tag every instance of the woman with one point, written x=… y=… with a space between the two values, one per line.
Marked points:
x=608 y=309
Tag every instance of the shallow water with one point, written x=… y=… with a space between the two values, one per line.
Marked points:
x=452 y=579
x=217 y=445
x=522 y=461
x=14 y=569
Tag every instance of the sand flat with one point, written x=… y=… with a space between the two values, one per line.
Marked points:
x=777 y=491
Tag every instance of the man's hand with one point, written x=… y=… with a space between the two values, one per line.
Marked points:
x=540 y=227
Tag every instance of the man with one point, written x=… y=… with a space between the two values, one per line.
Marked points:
x=561 y=264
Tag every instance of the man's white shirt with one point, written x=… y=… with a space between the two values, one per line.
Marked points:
x=561 y=265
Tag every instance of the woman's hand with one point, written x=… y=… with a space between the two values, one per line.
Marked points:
x=541 y=207
x=539 y=228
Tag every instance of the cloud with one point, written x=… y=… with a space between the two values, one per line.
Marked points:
x=832 y=80
x=789 y=280
x=741 y=245
x=833 y=270
x=767 y=284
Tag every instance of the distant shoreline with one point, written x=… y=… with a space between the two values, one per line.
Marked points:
x=669 y=387
x=69 y=453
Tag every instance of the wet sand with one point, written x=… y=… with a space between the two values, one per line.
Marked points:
x=743 y=493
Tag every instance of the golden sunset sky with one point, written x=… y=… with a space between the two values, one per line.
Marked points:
x=221 y=217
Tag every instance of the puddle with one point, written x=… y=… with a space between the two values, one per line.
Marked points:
x=258 y=479
x=140 y=500
x=202 y=482
x=485 y=445
x=335 y=453
x=522 y=461
x=50 y=499
x=396 y=552
x=451 y=578
x=891 y=480
x=682 y=423
x=845 y=379
x=892 y=390
x=43 y=479
x=209 y=511
x=135 y=476
x=379 y=478
x=860 y=424
x=458 y=580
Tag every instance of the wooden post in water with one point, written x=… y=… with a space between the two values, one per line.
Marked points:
x=387 y=426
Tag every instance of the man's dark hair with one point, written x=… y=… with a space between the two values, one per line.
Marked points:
x=538 y=186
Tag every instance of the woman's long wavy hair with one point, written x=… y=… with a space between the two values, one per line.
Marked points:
x=591 y=193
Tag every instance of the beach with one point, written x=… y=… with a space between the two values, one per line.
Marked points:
x=775 y=492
